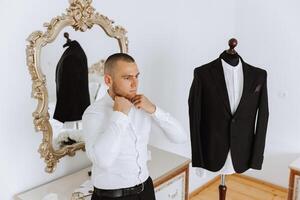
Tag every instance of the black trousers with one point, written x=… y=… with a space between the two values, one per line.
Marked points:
x=146 y=194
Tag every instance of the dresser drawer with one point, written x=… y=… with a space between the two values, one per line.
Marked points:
x=173 y=189
x=296 y=189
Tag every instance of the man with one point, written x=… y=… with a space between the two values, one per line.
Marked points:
x=116 y=130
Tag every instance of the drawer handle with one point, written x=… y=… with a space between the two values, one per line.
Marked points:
x=173 y=196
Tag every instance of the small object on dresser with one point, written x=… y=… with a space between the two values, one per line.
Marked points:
x=77 y=196
x=84 y=190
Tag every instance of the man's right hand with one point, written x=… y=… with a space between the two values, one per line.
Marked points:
x=122 y=105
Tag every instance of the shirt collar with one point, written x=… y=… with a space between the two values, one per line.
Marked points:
x=107 y=99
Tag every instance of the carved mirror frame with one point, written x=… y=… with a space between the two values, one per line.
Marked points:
x=81 y=16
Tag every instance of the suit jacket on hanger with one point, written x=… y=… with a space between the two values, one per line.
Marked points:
x=72 y=86
x=214 y=129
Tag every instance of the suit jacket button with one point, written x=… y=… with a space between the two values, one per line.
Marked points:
x=233 y=120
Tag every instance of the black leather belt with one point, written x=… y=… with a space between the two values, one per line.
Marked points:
x=120 y=192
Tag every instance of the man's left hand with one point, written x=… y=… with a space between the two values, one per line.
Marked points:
x=140 y=101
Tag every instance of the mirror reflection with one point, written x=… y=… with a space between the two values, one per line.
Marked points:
x=74 y=71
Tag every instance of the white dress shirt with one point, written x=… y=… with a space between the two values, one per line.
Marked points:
x=117 y=143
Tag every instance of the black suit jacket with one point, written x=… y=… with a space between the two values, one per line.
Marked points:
x=72 y=86
x=214 y=130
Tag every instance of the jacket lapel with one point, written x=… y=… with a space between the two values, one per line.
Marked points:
x=248 y=82
x=218 y=75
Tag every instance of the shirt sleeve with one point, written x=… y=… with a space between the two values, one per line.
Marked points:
x=103 y=136
x=170 y=126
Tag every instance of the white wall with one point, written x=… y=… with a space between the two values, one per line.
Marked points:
x=269 y=32
x=168 y=39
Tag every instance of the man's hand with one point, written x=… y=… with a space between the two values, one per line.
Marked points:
x=140 y=101
x=122 y=105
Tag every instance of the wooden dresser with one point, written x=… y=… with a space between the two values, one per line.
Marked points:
x=169 y=171
x=294 y=184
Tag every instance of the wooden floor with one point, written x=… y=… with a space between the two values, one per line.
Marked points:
x=241 y=188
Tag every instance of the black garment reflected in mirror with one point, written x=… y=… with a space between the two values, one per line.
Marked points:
x=72 y=88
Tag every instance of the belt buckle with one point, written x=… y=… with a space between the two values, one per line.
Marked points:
x=142 y=188
x=126 y=192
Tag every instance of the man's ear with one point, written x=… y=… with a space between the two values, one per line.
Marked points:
x=108 y=80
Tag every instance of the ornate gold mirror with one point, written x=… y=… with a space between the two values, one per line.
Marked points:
x=46 y=60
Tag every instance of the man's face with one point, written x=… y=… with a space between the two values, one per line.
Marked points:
x=124 y=79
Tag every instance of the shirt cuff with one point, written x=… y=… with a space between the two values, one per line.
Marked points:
x=120 y=119
x=159 y=114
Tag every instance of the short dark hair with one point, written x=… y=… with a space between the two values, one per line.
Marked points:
x=114 y=58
